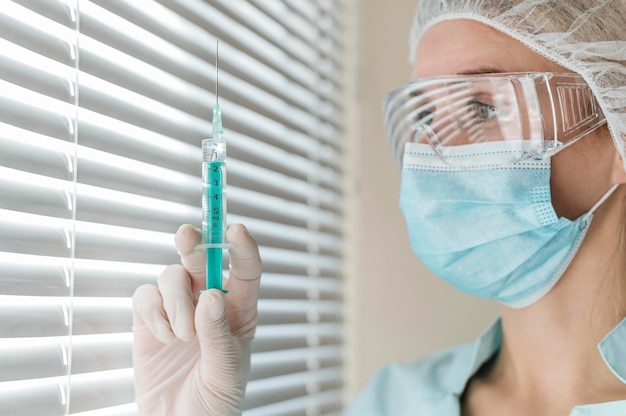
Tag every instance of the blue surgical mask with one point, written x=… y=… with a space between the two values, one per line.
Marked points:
x=488 y=229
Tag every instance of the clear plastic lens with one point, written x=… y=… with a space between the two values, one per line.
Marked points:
x=541 y=111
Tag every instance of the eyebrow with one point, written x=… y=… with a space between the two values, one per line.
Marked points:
x=486 y=69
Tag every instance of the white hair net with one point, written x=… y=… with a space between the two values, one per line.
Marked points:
x=585 y=36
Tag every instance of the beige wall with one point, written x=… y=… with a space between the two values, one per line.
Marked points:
x=397 y=310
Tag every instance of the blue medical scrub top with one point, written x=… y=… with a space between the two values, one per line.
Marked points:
x=432 y=386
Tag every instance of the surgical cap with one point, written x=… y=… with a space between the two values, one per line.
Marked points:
x=585 y=36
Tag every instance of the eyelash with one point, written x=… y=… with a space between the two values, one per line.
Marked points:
x=478 y=106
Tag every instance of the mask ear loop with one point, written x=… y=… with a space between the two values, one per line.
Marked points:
x=587 y=217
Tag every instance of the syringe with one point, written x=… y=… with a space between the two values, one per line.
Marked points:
x=214 y=195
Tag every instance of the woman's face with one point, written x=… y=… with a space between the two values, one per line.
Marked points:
x=582 y=172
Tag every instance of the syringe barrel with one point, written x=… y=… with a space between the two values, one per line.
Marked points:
x=214 y=190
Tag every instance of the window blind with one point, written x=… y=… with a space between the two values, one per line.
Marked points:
x=103 y=106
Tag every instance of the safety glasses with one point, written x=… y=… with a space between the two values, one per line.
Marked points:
x=542 y=111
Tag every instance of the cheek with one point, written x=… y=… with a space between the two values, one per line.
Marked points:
x=566 y=188
x=580 y=176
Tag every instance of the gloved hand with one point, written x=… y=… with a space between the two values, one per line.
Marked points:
x=191 y=351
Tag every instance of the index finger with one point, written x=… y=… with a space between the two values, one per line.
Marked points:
x=194 y=260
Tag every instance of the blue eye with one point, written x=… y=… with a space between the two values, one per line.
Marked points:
x=483 y=111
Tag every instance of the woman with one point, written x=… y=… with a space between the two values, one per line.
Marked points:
x=512 y=220
x=509 y=192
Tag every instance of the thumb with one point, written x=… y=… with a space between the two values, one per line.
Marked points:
x=219 y=360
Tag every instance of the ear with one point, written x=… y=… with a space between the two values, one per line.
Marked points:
x=618 y=174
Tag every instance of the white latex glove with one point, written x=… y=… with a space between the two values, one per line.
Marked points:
x=191 y=351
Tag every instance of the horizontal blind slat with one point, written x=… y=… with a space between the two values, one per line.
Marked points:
x=280 y=209
x=49 y=236
x=273 y=363
x=265 y=180
x=26 y=274
x=129 y=409
x=25 y=68
x=286 y=336
x=61 y=12
x=290 y=237
x=33 y=357
x=285 y=387
x=38 y=32
x=302 y=406
x=300 y=287
x=35 y=194
x=34 y=275
x=43 y=357
x=35 y=397
x=37 y=153
x=35 y=234
x=278 y=311
x=101 y=389
x=244 y=147
x=24 y=107
x=36 y=316
x=282 y=260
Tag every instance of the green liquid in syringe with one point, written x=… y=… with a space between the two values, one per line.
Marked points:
x=214 y=227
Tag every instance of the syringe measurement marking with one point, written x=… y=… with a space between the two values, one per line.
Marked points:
x=216 y=189
x=215 y=230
